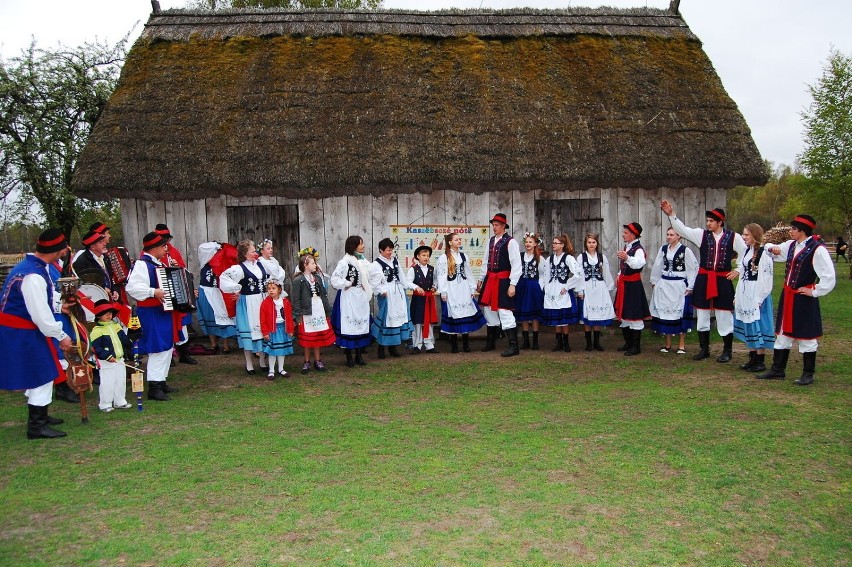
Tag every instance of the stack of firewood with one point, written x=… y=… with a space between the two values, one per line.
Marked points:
x=777 y=234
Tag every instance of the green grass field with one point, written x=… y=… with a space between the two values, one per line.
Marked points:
x=546 y=458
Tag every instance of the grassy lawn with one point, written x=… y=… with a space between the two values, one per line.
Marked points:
x=546 y=458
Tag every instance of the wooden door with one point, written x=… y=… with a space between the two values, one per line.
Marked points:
x=574 y=217
x=279 y=223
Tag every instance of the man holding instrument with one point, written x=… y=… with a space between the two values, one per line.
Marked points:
x=714 y=288
x=29 y=332
x=160 y=328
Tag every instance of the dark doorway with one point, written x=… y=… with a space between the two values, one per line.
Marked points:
x=574 y=217
x=279 y=223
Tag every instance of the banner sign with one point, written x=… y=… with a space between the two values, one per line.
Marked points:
x=408 y=237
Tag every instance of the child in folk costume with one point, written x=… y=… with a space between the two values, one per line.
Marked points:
x=631 y=305
x=529 y=296
x=245 y=280
x=596 y=310
x=110 y=345
x=673 y=277
x=423 y=312
x=460 y=314
x=212 y=312
x=392 y=324
x=563 y=275
x=753 y=321
x=311 y=309
x=276 y=325
x=350 y=316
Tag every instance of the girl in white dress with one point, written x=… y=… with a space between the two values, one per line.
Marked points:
x=460 y=315
x=350 y=316
x=529 y=294
x=672 y=279
x=563 y=275
x=596 y=310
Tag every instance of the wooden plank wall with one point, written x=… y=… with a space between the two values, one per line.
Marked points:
x=325 y=223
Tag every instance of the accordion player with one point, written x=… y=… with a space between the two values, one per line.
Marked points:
x=178 y=289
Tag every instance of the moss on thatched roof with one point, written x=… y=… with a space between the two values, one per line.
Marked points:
x=307 y=104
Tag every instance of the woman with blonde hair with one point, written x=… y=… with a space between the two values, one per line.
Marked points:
x=563 y=276
x=593 y=293
x=753 y=321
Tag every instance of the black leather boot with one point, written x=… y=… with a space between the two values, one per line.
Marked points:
x=588 y=335
x=52 y=420
x=393 y=352
x=465 y=342
x=596 y=343
x=759 y=363
x=752 y=358
x=381 y=354
x=155 y=392
x=183 y=351
x=164 y=386
x=454 y=344
x=779 y=364
x=535 y=340
x=808 y=369
x=704 y=346
x=566 y=347
x=491 y=339
x=727 y=348
x=512 y=350
x=625 y=332
x=66 y=394
x=558 y=346
x=635 y=343
x=525 y=345
x=359 y=356
x=37 y=426
x=350 y=362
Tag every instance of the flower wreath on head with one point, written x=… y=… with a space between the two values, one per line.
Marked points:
x=532 y=235
x=309 y=251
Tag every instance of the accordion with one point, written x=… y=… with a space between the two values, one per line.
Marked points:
x=179 y=289
x=119 y=262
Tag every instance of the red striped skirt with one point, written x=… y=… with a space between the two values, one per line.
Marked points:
x=314 y=340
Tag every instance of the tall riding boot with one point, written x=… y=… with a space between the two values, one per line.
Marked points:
x=752 y=359
x=566 y=347
x=558 y=346
x=588 y=335
x=512 y=350
x=704 y=346
x=164 y=386
x=382 y=354
x=183 y=351
x=37 y=427
x=635 y=343
x=526 y=344
x=759 y=363
x=596 y=342
x=491 y=340
x=454 y=343
x=359 y=358
x=625 y=332
x=779 y=364
x=465 y=342
x=350 y=362
x=727 y=348
x=66 y=394
x=155 y=392
x=808 y=369
x=535 y=340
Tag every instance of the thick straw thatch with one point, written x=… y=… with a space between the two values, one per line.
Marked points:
x=323 y=103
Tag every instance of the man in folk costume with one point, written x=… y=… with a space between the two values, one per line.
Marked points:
x=392 y=324
x=497 y=288
x=809 y=275
x=160 y=328
x=631 y=304
x=95 y=228
x=714 y=286
x=29 y=332
x=92 y=262
x=174 y=259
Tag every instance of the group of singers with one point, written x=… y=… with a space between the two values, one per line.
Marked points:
x=526 y=287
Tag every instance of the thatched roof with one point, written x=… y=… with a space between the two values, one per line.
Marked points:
x=322 y=103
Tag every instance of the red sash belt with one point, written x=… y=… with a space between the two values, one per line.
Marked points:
x=430 y=314
x=491 y=292
x=619 y=290
x=177 y=316
x=712 y=286
x=787 y=307
x=15 y=322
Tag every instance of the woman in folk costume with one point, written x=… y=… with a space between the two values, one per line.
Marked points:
x=753 y=320
x=423 y=312
x=392 y=323
x=593 y=294
x=672 y=277
x=529 y=299
x=212 y=312
x=271 y=265
x=246 y=281
x=563 y=275
x=350 y=316
x=276 y=324
x=311 y=311
x=460 y=314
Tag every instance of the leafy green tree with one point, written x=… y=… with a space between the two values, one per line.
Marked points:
x=763 y=205
x=49 y=103
x=827 y=158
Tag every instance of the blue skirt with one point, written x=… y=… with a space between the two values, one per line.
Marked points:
x=462 y=325
x=347 y=341
x=207 y=319
x=279 y=343
x=676 y=327
x=757 y=334
x=529 y=300
x=244 y=331
x=389 y=336
x=566 y=316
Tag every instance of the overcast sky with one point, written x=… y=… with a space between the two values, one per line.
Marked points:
x=765 y=51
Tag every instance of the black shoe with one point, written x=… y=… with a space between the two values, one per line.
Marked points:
x=251 y=372
x=491 y=339
x=558 y=346
x=625 y=332
x=454 y=344
x=589 y=346
x=566 y=347
x=156 y=393
x=759 y=363
x=350 y=362
x=513 y=349
x=535 y=340
x=752 y=359
x=704 y=346
x=185 y=358
x=726 y=355
x=779 y=365
x=597 y=341
x=359 y=359
x=525 y=345
x=393 y=352
x=415 y=350
x=164 y=386
x=37 y=424
x=66 y=394
x=465 y=343
x=635 y=343
x=381 y=354
x=808 y=369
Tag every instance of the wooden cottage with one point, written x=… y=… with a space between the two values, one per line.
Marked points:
x=311 y=126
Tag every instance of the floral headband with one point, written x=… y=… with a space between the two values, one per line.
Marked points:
x=535 y=237
x=309 y=251
x=264 y=242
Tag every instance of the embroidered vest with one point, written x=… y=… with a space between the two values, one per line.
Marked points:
x=753 y=265
x=800 y=268
x=530 y=268
x=678 y=261
x=250 y=283
x=708 y=251
x=207 y=278
x=425 y=281
x=631 y=251
x=592 y=271
x=459 y=268
x=498 y=254
x=391 y=271
x=560 y=271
